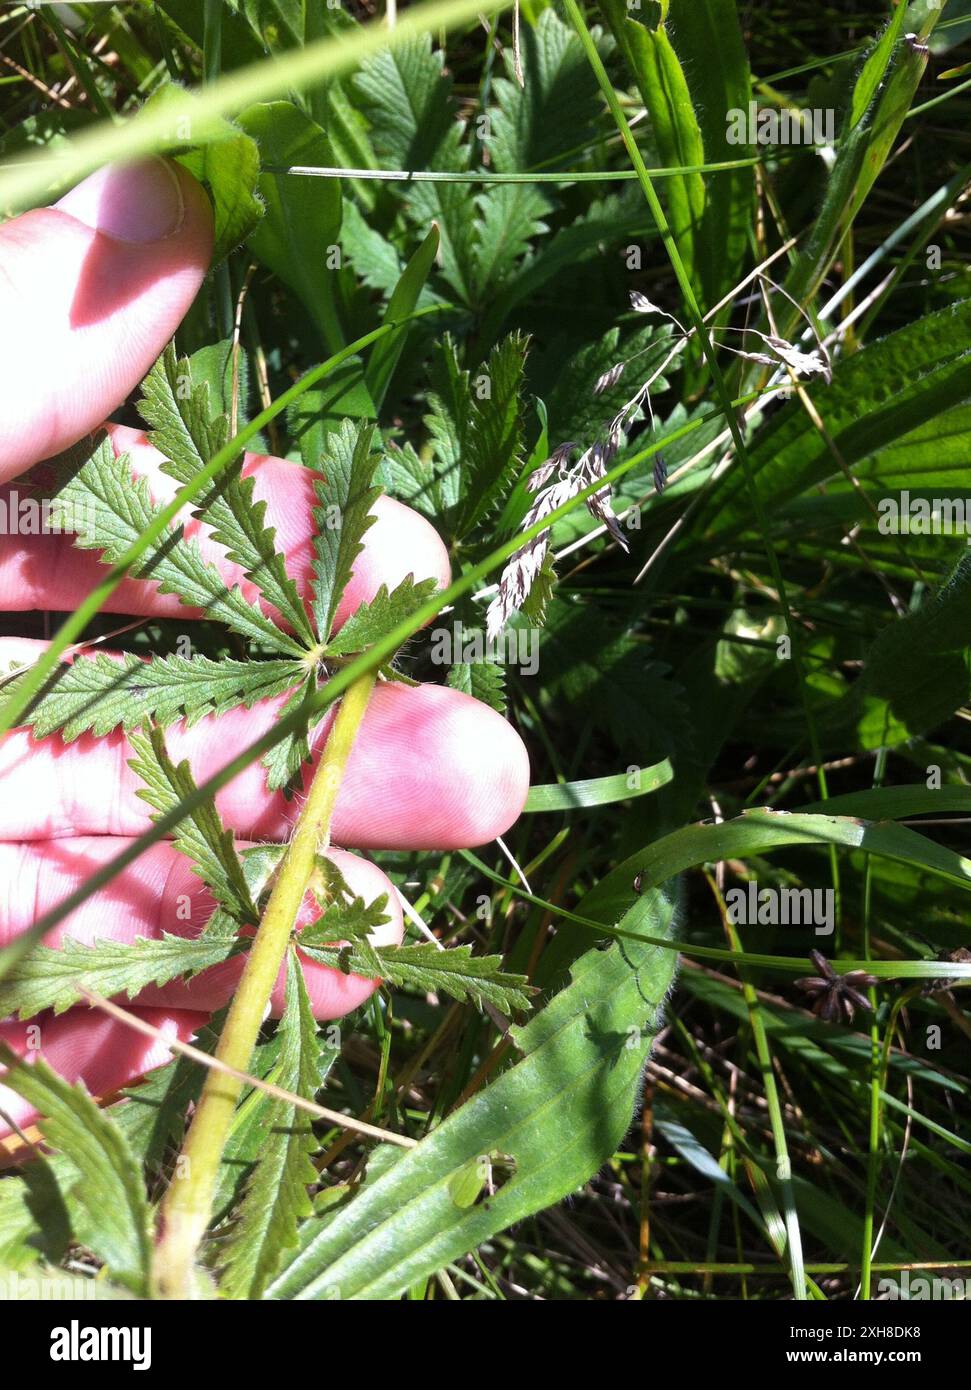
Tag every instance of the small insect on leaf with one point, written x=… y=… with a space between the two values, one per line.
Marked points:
x=480 y=1178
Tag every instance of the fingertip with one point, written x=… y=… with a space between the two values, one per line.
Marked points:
x=87 y=308
x=433 y=768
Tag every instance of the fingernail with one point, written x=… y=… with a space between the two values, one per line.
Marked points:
x=138 y=203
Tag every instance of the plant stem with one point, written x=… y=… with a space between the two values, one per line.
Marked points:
x=187 y=1205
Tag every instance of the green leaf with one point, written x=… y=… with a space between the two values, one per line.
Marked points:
x=920 y=663
x=228 y=162
x=117 y=508
x=661 y=82
x=384 y=611
x=100 y=693
x=303 y=215
x=427 y=967
x=600 y=791
x=230 y=168
x=386 y=352
x=413 y=126
x=610 y=220
x=558 y=1114
x=510 y=216
x=477 y=423
x=540 y=124
x=699 y=29
x=183 y=428
x=285 y=761
x=105 y=1178
x=874 y=70
x=346 y=917
x=483 y=680
x=343 y=515
x=200 y=835
x=276 y=1197
x=408 y=102
x=54 y=978
x=880 y=105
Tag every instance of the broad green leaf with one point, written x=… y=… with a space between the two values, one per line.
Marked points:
x=386 y=352
x=540 y=124
x=105 y=1177
x=276 y=1197
x=408 y=102
x=920 y=663
x=117 y=508
x=615 y=218
x=701 y=29
x=661 y=82
x=228 y=162
x=599 y=791
x=184 y=429
x=54 y=979
x=758 y=831
x=98 y=694
x=200 y=835
x=558 y=1115
x=300 y=232
x=213 y=366
x=510 y=218
x=379 y=615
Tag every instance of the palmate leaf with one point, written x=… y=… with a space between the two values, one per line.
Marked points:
x=117 y=507
x=98 y=694
x=105 y=1179
x=184 y=429
x=343 y=515
x=276 y=1199
x=200 y=835
x=54 y=978
x=385 y=611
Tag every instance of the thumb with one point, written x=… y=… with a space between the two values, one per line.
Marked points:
x=91 y=290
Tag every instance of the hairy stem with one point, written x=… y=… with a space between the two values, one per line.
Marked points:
x=187 y=1205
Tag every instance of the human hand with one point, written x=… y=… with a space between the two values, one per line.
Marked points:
x=90 y=292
